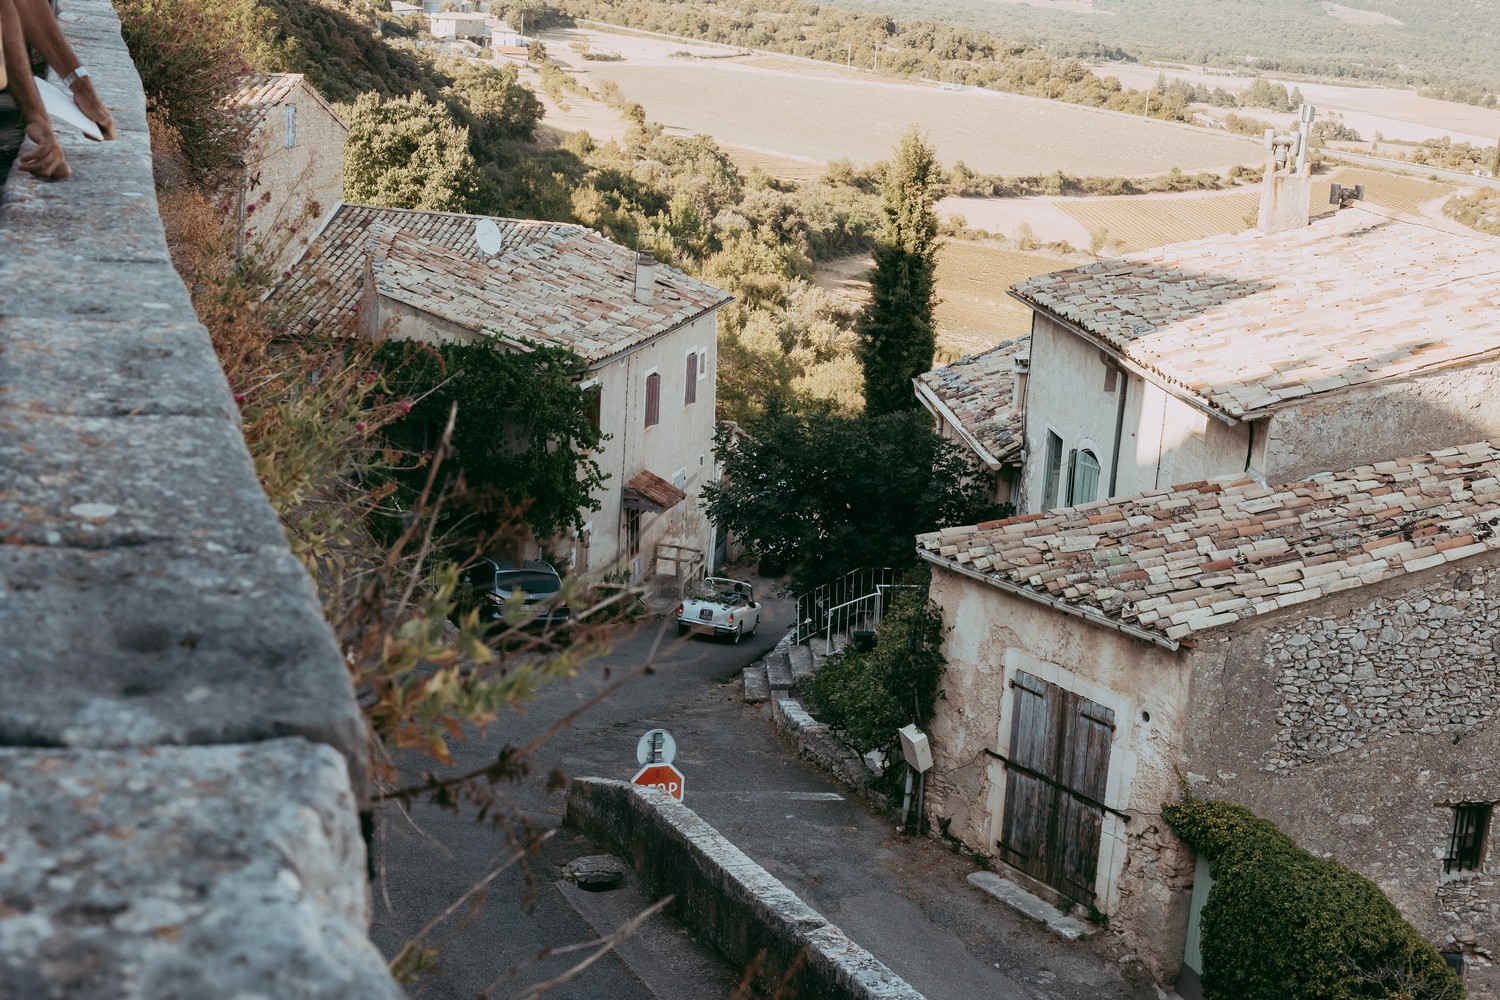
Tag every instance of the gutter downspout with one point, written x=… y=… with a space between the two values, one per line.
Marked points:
x=1114 y=461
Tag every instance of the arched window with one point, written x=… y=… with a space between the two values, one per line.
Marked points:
x=1083 y=478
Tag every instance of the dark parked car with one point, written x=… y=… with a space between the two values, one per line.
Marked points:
x=491 y=584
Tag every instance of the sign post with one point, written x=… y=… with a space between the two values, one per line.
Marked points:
x=654 y=753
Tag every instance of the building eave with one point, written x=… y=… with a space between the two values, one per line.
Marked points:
x=939 y=409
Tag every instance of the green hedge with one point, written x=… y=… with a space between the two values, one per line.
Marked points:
x=1281 y=924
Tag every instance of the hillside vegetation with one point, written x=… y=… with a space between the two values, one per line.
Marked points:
x=1447 y=44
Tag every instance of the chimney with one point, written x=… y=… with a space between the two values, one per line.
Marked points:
x=1286 y=187
x=1020 y=371
x=645 y=278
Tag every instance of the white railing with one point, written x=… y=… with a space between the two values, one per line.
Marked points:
x=858 y=600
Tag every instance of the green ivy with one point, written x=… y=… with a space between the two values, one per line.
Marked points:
x=1282 y=924
x=523 y=437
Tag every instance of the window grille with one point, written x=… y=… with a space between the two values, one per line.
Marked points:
x=1466 y=844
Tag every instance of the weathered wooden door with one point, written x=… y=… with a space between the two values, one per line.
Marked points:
x=1054 y=787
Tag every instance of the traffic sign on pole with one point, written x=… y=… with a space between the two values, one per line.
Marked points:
x=662 y=776
x=656 y=747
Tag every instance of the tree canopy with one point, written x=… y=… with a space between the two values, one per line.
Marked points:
x=494 y=104
x=897 y=339
x=823 y=494
x=524 y=432
x=408 y=152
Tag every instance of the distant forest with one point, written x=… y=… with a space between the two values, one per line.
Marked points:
x=1445 y=46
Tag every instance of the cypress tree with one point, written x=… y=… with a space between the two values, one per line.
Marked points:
x=896 y=335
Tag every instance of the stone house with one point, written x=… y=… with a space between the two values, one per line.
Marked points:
x=1326 y=653
x=979 y=401
x=294 y=164
x=646 y=331
x=1362 y=335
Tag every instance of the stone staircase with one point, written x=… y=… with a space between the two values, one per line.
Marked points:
x=787 y=669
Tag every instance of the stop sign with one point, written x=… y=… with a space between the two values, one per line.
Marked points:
x=663 y=776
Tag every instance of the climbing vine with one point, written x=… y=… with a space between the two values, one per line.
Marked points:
x=524 y=433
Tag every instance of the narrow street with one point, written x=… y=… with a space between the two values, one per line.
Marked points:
x=904 y=899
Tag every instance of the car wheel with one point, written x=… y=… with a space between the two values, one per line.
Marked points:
x=738 y=634
x=681 y=629
x=755 y=626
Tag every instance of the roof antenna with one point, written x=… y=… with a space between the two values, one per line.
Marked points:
x=487 y=235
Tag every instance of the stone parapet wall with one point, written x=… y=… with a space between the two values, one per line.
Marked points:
x=184 y=759
x=732 y=902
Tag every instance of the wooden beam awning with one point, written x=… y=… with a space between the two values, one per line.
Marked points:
x=649 y=492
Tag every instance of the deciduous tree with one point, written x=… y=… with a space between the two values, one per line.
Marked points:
x=896 y=335
x=408 y=152
x=824 y=495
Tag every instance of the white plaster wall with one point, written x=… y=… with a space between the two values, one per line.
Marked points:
x=682 y=441
x=1163 y=441
x=289 y=191
x=1143 y=870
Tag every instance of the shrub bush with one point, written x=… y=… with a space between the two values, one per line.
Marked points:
x=1280 y=923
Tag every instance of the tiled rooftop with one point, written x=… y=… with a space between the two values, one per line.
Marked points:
x=1211 y=554
x=1246 y=321
x=977 y=390
x=550 y=282
x=259 y=93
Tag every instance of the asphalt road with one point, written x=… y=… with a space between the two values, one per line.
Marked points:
x=904 y=899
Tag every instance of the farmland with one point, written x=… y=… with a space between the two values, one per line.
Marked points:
x=815 y=112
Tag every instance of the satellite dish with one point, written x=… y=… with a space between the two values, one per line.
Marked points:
x=487 y=235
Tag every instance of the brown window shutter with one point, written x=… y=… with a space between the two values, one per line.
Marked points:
x=653 y=400
x=690 y=394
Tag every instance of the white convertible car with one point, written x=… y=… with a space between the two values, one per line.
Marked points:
x=716 y=605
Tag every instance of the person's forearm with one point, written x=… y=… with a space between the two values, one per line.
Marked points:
x=42 y=31
x=22 y=85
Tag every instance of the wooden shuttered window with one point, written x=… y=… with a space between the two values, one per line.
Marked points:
x=690 y=393
x=1055 y=784
x=653 y=399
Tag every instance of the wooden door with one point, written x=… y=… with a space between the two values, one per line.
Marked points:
x=1054 y=788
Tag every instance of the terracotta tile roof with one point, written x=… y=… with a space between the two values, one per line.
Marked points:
x=1246 y=321
x=551 y=282
x=648 y=491
x=1211 y=554
x=260 y=93
x=977 y=391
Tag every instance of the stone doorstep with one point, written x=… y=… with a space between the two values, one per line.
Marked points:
x=757 y=689
x=1029 y=905
x=779 y=671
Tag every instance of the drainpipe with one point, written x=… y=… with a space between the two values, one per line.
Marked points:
x=1114 y=461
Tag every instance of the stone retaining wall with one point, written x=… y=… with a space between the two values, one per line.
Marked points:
x=728 y=899
x=184 y=759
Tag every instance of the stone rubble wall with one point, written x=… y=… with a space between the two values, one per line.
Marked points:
x=1424 y=662
x=743 y=910
x=184 y=760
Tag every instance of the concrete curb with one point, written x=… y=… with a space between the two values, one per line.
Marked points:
x=728 y=899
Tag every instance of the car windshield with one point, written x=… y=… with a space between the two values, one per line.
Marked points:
x=536 y=584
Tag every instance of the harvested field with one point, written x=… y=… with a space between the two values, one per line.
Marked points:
x=781 y=167
x=1136 y=222
x=974 y=312
x=818 y=118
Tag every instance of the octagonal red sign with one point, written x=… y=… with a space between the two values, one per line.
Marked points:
x=663 y=776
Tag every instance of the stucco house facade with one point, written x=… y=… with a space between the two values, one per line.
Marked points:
x=646 y=331
x=294 y=164
x=979 y=402
x=1361 y=335
x=1325 y=652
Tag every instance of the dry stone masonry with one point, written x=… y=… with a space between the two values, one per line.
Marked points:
x=1422 y=663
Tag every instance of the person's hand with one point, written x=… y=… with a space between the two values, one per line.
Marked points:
x=45 y=159
x=87 y=99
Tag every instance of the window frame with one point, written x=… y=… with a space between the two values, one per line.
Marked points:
x=1051 y=469
x=1468 y=839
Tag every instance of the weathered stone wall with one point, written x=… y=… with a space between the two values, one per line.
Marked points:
x=734 y=903
x=1144 y=871
x=1356 y=724
x=184 y=758
x=289 y=191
